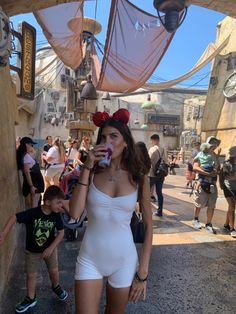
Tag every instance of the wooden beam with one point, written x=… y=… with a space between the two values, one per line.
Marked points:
x=227 y=7
x=14 y=7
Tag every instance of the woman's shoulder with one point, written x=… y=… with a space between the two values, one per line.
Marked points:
x=28 y=158
x=53 y=149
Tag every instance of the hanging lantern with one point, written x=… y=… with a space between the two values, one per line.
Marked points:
x=172 y=8
x=88 y=91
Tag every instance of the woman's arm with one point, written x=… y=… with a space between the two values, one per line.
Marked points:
x=77 y=159
x=147 y=219
x=139 y=285
x=47 y=158
x=79 y=195
x=28 y=178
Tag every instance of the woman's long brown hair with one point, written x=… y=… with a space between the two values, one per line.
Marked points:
x=130 y=161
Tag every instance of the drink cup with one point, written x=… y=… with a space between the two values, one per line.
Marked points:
x=107 y=159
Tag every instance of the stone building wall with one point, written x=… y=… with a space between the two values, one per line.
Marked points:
x=11 y=201
x=220 y=113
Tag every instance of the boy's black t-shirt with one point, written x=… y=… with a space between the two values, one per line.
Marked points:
x=40 y=228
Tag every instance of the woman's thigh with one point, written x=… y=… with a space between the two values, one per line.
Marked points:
x=117 y=299
x=88 y=296
x=35 y=199
x=231 y=201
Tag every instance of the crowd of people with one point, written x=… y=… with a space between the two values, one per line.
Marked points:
x=110 y=188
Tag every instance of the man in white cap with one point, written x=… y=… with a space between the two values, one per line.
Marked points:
x=206 y=198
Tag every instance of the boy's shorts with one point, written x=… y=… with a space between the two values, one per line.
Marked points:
x=33 y=260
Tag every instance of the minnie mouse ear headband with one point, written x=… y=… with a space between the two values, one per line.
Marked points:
x=122 y=115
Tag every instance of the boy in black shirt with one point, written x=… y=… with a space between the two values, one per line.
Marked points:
x=41 y=242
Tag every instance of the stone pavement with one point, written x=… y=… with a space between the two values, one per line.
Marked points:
x=191 y=271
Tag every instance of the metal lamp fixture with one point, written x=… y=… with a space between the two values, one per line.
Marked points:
x=88 y=91
x=172 y=8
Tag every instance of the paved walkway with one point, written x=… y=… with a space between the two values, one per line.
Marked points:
x=191 y=271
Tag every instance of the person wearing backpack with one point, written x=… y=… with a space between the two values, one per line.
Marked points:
x=228 y=184
x=158 y=160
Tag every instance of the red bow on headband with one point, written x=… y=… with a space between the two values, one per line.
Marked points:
x=121 y=115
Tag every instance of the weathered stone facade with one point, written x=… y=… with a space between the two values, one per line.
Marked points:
x=11 y=200
x=220 y=115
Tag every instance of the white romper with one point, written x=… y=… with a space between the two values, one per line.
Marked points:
x=108 y=249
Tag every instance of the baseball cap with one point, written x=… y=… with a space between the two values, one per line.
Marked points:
x=205 y=146
x=213 y=140
x=27 y=140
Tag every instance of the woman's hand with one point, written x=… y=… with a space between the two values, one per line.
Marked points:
x=138 y=291
x=32 y=189
x=95 y=154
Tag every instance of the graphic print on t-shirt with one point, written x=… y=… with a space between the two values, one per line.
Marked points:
x=42 y=229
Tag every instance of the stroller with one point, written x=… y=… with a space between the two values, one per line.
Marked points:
x=67 y=182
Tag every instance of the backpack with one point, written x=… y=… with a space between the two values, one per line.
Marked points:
x=161 y=168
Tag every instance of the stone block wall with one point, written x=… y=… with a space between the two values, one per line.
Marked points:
x=11 y=200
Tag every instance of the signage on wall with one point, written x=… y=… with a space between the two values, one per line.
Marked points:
x=164 y=119
x=27 y=71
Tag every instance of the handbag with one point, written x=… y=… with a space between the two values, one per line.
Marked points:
x=161 y=168
x=137 y=227
x=37 y=180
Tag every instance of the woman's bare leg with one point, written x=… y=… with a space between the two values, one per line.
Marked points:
x=117 y=299
x=87 y=296
x=35 y=200
x=231 y=212
x=56 y=181
x=47 y=181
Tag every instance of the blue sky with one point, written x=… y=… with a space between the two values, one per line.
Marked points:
x=190 y=40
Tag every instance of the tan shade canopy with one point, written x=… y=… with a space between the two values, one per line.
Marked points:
x=209 y=54
x=62 y=26
x=135 y=44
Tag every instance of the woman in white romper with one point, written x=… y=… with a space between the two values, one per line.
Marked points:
x=110 y=195
x=55 y=158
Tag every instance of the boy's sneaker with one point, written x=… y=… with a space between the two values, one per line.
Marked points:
x=209 y=228
x=196 y=224
x=226 y=228
x=25 y=305
x=62 y=294
x=233 y=233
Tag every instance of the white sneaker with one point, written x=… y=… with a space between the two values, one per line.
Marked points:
x=233 y=233
x=196 y=224
x=210 y=229
x=72 y=221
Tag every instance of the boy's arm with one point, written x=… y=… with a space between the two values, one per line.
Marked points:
x=7 y=228
x=55 y=243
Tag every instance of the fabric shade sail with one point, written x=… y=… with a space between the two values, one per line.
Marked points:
x=136 y=42
x=62 y=26
x=209 y=54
